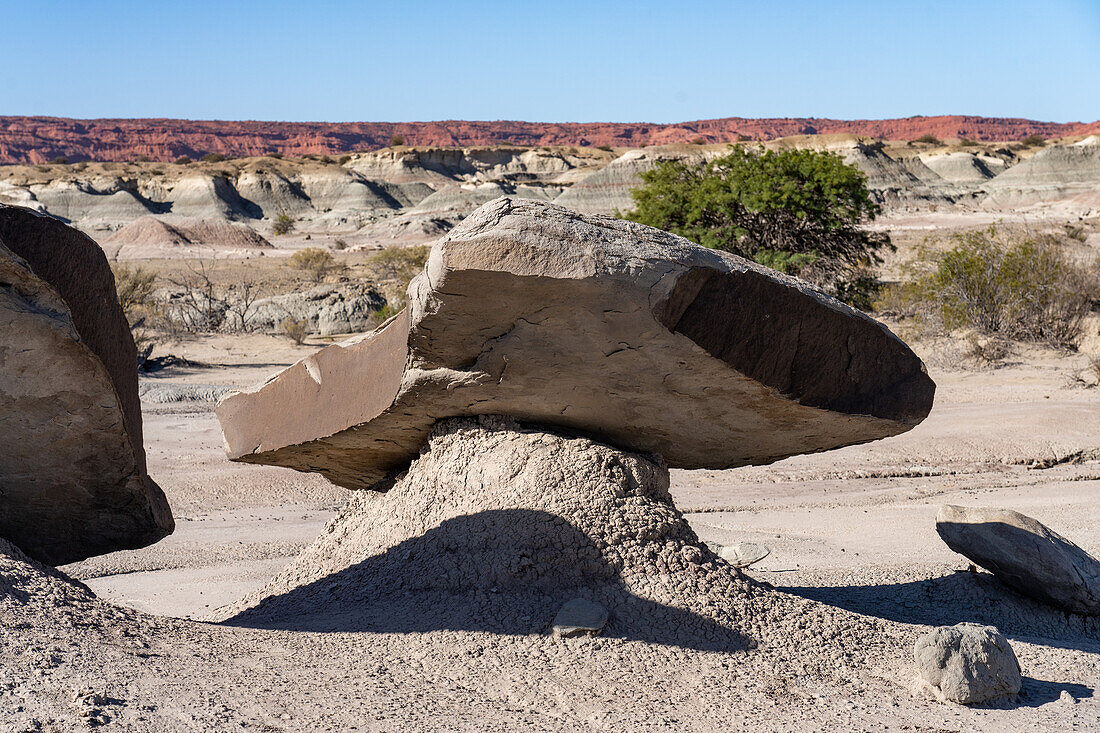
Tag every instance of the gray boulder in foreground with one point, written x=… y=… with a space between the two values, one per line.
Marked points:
x=1024 y=555
x=73 y=482
x=618 y=331
x=968 y=663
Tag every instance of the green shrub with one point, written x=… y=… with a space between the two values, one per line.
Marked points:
x=213 y=158
x=313 y=260
x=1015 y=287
x=798 y=211
x=401 y=264
x=397 y=140
x=1033 y=141
x=283 y=225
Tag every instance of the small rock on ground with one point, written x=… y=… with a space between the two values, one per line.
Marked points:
x=580 y=617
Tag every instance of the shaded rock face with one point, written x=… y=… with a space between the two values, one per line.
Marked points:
x=73 y=481
x=623 y=332
x=968 y=663
x=1025 y=555
x=327 y=309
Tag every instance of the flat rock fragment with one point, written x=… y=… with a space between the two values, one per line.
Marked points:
x=1024 y=554
x=579 y=617
x=603 y=327
x=743 y=554
x=73 y=481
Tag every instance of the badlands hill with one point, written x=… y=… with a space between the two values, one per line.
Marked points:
x=413 y=194
x=40 y=139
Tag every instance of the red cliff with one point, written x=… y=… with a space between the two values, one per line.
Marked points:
x=41 y=139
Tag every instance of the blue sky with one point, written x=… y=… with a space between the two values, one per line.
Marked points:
x=550 y=61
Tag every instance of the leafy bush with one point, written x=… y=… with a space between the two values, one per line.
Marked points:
x=294 y=329
x=929 y=139
x=798 y=211
x=313 y=260
x=397 y=140
x=1016 y=287
x=213 y=158
x=283 y=225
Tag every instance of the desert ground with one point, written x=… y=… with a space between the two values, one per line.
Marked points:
x=151 y=639
x=852 y=529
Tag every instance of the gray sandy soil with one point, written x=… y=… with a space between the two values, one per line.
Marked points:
x=852 y=529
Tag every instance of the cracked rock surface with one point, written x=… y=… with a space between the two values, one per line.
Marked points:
x=73 y=482
x=624 y=333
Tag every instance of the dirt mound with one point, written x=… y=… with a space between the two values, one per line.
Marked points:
x=496 y=526
x=153 y=236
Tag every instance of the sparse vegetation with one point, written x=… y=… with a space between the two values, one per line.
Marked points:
x=339 y=244
x=183 y=160
x=294 y=329
x=213 y=158
x=345 y=159
x=1076 y=232
x=59 y=161
x=966 y=143
x=605 y=148
x=699 y=141
x=1033 y=141
x=400 y=264
x=998 y=284
x=397 y=140
x=928 y=139
x=134 y=287
x=797 y=211
x=316 y=262
x=283 y=225
x=277 y=156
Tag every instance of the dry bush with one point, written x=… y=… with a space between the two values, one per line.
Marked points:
x=316 y=262
x=399 y=263
x=135 y=286
x=294 y=329
x=985 y=351
x=199 y=304
x=1008 y=285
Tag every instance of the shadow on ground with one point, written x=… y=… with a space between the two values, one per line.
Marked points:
x=499 y=571
x=964 y=596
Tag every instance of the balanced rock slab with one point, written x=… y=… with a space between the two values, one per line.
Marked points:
x=73 y=482
x=1024 y=554
x=619 y=331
